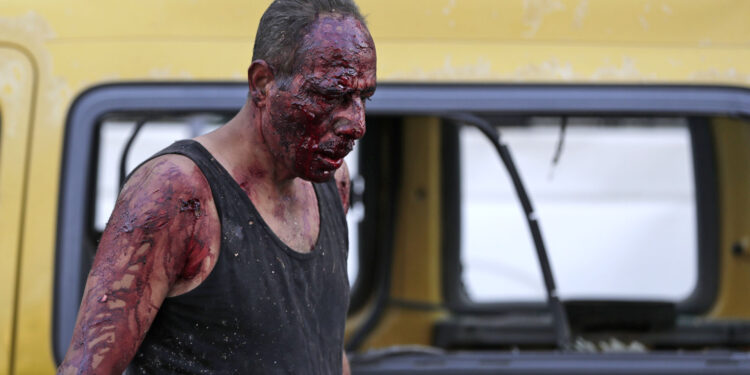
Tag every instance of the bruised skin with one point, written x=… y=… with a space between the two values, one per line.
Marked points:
x=310 y=122
x=316 y=116
x=301 y=127
x=162 y=239
x=294 y=218
x=291 y=213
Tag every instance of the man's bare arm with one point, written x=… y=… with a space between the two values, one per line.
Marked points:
x=157 y=234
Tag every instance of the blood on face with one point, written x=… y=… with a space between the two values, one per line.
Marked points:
x=314 y=116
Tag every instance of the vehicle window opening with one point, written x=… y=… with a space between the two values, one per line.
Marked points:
x=638 y=167
x=559 y=316
x=124 y=157
x=658 y=322
x=377 y=236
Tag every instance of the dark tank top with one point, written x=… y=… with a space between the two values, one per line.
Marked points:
x=264 y=308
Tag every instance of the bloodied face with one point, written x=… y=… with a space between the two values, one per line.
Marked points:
x=313 y=118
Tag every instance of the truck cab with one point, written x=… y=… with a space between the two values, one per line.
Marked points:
x=544 y=187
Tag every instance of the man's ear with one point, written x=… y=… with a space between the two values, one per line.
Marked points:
x=259 y=78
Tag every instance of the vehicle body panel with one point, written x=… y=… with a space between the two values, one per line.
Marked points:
x=16 y=90
x=733 y=156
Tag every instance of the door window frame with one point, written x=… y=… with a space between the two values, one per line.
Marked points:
x=707 y=229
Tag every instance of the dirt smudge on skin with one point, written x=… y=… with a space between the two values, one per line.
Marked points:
x=320 y=112
x=158 y=234
x=310 y=121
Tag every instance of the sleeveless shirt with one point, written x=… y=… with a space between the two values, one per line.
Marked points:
x=264 y=308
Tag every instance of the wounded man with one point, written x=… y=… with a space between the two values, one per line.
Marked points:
x=226 y=253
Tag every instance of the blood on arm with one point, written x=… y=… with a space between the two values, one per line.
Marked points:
x=158 y=234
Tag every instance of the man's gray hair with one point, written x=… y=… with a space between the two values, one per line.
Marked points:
x=284 y=25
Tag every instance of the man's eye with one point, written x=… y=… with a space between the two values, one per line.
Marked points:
x=333 y=97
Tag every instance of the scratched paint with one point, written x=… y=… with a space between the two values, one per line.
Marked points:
x=721 y=74
x=625 y=69
x=448 y=8
x=170 y=73
x=585 y=64
x=534 y=12
x=32 y=33
x=30 y=28
x=15 y=97
x=44 y=98
x=16 y=78
x=580 y=13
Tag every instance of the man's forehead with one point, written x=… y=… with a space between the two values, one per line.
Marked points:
x=338 y=51
x=333 y=32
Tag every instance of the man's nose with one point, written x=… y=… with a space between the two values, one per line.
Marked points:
x=352 y=121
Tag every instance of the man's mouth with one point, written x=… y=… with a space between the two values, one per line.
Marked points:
x=334 y=157
x=332 y=160
x=336 y=152
x=330 y=163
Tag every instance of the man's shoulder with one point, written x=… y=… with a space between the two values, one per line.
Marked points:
x=172 y=174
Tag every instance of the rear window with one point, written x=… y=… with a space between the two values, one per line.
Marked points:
x=617 y=210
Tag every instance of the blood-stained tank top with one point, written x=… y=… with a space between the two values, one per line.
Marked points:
x=265 y=308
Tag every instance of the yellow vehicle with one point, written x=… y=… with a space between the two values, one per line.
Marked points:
x=628 y=121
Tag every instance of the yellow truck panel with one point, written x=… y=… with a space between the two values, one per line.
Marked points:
x=52 y=51
x=17 y=77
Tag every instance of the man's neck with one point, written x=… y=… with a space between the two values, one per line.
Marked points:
x=240 y=147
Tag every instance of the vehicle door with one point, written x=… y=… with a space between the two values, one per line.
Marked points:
x=17 y=80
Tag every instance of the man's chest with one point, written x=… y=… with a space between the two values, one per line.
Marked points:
x=295 y=221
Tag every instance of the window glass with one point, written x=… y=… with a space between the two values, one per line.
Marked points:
x=617 y=211
x=356 y=213
x=157 y=134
